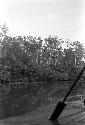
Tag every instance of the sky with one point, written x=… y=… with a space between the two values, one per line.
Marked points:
x=63 y=18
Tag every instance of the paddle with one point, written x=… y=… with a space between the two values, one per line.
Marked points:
x=60 y=106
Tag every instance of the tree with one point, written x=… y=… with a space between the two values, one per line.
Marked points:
x=72 y=58
x=52 y=50
x=4 y=30
x=79 y=53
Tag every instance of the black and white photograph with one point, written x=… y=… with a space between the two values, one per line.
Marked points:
x=42 y=62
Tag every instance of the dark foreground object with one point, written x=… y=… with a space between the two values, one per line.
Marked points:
x=60 y=107
x=58 y=110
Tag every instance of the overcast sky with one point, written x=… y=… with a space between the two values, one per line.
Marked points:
x=64 y=18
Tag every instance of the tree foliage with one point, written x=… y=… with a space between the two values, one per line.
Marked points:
x=26 y=58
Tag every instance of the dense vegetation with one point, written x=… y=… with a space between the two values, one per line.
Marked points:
x=40 y=63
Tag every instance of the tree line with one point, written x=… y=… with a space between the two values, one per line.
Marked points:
x=33 y=59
